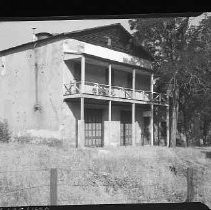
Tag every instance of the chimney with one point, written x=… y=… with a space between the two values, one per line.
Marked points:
x=108 y=41
x=34 y=37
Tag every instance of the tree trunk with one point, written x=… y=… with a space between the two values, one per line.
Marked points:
x=174 y=118
x=173 y=127
x=186 y=128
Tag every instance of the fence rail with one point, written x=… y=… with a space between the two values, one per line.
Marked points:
x=56 y=180
x=93 y=88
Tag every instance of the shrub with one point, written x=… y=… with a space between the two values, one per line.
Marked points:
x=4 y=132
x=22 y=139
x=52 y=142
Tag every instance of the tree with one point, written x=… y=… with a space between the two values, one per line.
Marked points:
x=178 y=60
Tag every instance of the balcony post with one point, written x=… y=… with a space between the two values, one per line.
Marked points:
x=82 y=109
x=109 y=79
x=109 y=111
x=133 y=124
x=134 y=82
x=152 y=117
x=82 y=74
x=108 y=127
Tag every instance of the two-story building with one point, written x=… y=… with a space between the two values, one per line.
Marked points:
x=92 y=87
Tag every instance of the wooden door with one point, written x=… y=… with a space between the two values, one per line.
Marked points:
x=126 y=128
x=93 y=128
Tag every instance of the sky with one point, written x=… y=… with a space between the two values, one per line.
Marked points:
x=15 y=33
x=18 y=32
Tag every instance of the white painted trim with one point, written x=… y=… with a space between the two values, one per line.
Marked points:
x=75 y=46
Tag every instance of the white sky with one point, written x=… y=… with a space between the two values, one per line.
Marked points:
x=15 y=33
x=19 y=32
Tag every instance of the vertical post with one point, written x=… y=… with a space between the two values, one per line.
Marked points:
x=109 y=129
x=53 y=186
x=109 y=136
x=133 y=124
x=159 y=125
x=109 y=79
x=134 y=82
x=152 y=114
x=82 y=108
x=82 y=73
x=167 y=125
x=109 y=111
x=151 y=84
x=81 y=126
x=190 y=189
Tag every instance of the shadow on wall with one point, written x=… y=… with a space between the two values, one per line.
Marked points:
x=207 y=154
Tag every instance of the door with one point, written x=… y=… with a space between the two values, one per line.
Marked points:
x=93 y=128
x=146 y=133
x=126 y=128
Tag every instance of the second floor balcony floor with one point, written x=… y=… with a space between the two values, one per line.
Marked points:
x=103 y=91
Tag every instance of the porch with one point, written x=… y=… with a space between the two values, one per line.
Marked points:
x=107 y=83
x=104 y=123
x=96 y=78
x=101 y=123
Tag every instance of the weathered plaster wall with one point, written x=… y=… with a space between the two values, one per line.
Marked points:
x=68 y=72
x=50 y=83
x=139 y=126
x=17 y=88
x=18 y=92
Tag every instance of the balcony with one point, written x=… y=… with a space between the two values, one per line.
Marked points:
x=114 y=92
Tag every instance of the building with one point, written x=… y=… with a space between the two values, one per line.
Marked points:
x=92 y=87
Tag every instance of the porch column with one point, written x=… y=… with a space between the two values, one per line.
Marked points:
x=133 y=125
x=134 y=82
x=152 y=117
x=109 y=111
x=109 y=78
x=108 y=132
x=82 y=108
x=108 y=129
x=82 y=74
x=81 y=125
x=167 y=124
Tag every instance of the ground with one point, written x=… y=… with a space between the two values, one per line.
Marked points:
x=107 y=175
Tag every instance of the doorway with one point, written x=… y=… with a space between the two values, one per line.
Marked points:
x=126 y=128
x=93 y=128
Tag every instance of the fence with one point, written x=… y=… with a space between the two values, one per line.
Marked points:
x=53 y=189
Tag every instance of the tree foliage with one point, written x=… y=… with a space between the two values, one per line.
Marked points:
x=182 y=63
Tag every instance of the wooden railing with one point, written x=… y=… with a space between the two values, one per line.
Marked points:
x=93 y=88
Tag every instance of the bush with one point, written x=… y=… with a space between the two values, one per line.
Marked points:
x=51 y=142
x=22 y=139
x=4 y=132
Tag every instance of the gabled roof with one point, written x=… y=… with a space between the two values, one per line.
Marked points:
x=130 y=46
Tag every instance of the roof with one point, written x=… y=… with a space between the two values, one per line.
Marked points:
x=80 y=34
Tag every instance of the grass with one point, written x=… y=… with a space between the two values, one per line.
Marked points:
x=93 y=176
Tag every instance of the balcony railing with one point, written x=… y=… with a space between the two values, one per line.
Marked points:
x=97 y=89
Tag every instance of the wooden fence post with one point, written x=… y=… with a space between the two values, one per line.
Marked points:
x=190 y=187
x=53 y=186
